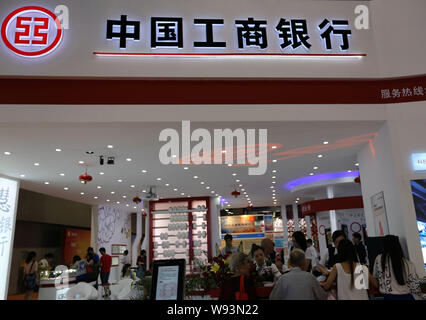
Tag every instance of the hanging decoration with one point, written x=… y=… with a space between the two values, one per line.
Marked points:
x=85 y=178
x=137 y=200
x=235 y=193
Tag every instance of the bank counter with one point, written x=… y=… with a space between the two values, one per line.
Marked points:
x=54 y=285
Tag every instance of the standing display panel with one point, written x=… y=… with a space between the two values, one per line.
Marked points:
x=180 y=230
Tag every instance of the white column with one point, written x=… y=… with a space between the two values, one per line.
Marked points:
x=215 y=207
x=333 y=216
x=138 y=238
x=285 y=228
x=145 y=243
x=296 y=217
x=308 y=227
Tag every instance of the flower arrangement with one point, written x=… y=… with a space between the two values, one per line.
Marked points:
x=261 y=274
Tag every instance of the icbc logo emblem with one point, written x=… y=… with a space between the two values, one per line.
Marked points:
x=32 y=32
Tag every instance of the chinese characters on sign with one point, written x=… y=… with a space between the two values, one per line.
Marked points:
x=291 y=33
x=397 y=93
x=8 y=196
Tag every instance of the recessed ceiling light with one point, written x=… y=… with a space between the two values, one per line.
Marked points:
x=99 y=187
x=240 y=185
x=315 y=168
x=144 y=171
x=229 y=164
x=311 y=174
x=202 y=182
x=175 y=189
x=81 y=162
x=46 y=182
x=82 y=182
x=212 y=191
x=273 y=182
x=22 y=175
x=320 y=156
x=82 y=193
x=118 y=202
x=229 y=205
x=297 y=199
x=132 y=186
x=245 y=193
x=223 y=151
x=7 y=153
x=134 y=207
x=325 y=142
x=174 y=156
x=101 y=173
x=95 y=197
x=66 y=188
x=127 y=205
x=272 y=187
x=112 y=192
x=107 y=200
x=216 y=195
x=119 y=180
x=234 y=174
x=143 y=190
x=129 y=159
x=349 y=170
x=274 y=171
x=167 y=184
x=36 y=164
x=243 y=189
x=158 y=179
x=62 y=174
x=274 y=147
x=195 y=177
x=273 y=177
x=185 y=168
x=237 y=180
x=207 y=188
x=124 y=197
x=58 y=149
x=182 y=194
x=110 y=146
x=357 y=164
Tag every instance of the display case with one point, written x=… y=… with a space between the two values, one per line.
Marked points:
x=55 y=284
x=180 y=230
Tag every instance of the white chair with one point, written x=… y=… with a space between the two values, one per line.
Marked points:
x=82 y=291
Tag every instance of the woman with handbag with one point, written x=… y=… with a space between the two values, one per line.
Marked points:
x=30 y=275
x=239 y=286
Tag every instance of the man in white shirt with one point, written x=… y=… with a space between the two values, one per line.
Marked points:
x=229 y=248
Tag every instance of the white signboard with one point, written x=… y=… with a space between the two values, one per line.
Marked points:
x=419 y=161
x=8 y=203
x=379 y=213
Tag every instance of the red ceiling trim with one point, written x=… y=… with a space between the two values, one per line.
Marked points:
x=116 y=91
x=312 y=207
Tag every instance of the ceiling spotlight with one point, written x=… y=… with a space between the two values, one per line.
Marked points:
x=127 y=205
x=272 y=187
x=62 y=174
x=99 y=187
x=82 y=193
x=216 y=195
x=158 y=179
x=134 y=207
x=240 y=185
x=132 y=186
x=95 y=197
x=36 y=164
x=7 y=153
x=229 y=164
x=349 y=170
x=234 y=174
x=47 y=182
x=107 y=200
x=223 y=151
x=195 y=177
x=315 y=168
x=207 y=188
x=112 y=192
x=320 y=156
x=212 y=191
x=243 y=189
x=124 y=197
x=110 y=146
x=185 y=168
x=274 y=147
x=167 y=184
x=175 y=189
x=22 y=175
x=119 y=180
x=174 y=156
x=58 y=149
x=357 y=164
x=273 y=177
x=274 y=171
x=118 y=202
x=325 y=142
x=129 y=159
x=311 y=174
x=274 y=160
x=144 y=171
x=273 y=182
x=182 y=194
x=237 y=180
x=202 y=182
x=101 y=173
x=66 y=188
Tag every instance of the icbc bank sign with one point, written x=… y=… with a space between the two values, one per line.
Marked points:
x=31 y=32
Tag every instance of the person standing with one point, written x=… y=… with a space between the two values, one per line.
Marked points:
x=106 y=262
x=268 y=248
x=345 y=273
x=45 y=264
x=297 y=284
x=30 y=275
x=92 y=266
x=360 y=248
x=396 y=275
x=330 y=258
x=141 y=263
x=229 y=248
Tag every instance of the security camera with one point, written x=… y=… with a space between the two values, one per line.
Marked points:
x=111 y=160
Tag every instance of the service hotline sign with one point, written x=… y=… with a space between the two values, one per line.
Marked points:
x=31 y=32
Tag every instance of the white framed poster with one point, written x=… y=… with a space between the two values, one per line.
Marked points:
x=9 y=189
x=379 y=213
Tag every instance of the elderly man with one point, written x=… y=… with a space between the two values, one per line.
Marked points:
x=297 y=284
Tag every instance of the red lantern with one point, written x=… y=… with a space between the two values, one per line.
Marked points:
x=85 y=178
x=235 y=193
x=137 y=200
x=144 y=214
x=357 y=179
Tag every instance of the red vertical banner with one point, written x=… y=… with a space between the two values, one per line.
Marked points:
x=76 y=242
